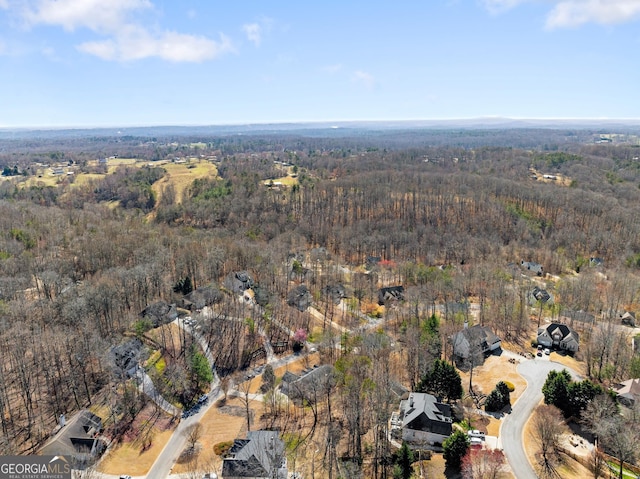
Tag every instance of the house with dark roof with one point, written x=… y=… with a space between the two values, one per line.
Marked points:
x=533 y=267
x=474 y=341
x=260 y=455
x=335 y=292
x=201 y=297
x=424 y=420
x=390 y=294
x=559 y=336
x=78 y=440
x=238 y=281
x=309 y=385
x=299 y=297
x=628 y=319
x=594 y=262
x=160 y=313
x=628 y=392
x=541 y=295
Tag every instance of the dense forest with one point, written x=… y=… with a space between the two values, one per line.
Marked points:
x=449 y=215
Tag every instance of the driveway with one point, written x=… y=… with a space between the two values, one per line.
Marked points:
x=535 y=372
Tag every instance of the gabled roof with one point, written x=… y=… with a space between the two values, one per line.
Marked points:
x=565 y=331
x=309 y=384
x=630 y=387
x=540 y=294
x=422 y=411
x=78 y=437
x=532 y=266
x=256 y=456
x=480 y=335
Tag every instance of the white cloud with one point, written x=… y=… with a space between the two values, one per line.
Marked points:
x=256 y=31
x=363 y=78
x=125 y=37
x=572 y=13
x=96 y=15
x=137 y=43
x=253 y=32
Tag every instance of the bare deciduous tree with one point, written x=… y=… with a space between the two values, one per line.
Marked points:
x=547 y=427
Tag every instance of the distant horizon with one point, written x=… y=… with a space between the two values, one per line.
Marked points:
x=476 y=121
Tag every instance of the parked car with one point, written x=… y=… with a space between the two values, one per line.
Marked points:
x=547 y=351
x=125 y=477
x=539 y=347
x=539 y=353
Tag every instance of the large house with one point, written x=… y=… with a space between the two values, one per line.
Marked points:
x=311 y=385
x=474 y=341
x=390 y=294
x=533 y=267
x=424 y=420
x=559 y=336
x=79 y=440
x=260 y=455
x=628 y=392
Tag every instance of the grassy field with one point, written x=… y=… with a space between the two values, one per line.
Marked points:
x=180 y=176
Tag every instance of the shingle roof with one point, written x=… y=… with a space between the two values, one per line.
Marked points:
x=422 y=404
x=255 y=456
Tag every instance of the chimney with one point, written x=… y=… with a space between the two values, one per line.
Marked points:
x=466 y=324
x=411 y=400
x=63 y=421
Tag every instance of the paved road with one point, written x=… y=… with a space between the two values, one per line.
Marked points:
x=169 y=455
x=535 y=372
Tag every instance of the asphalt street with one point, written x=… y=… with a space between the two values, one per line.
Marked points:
x=535 y=372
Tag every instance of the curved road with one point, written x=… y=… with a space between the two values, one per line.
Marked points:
x=535 y=372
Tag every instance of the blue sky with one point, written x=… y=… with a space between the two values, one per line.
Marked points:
x=188 y=62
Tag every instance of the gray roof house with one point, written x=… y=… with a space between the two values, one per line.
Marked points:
x=309 y=385
x=201 y=297
x=479 y=337
x=424 y=420
x=238 y=281
x=260 y=455
x=539 y=294
x=392 y=293
x=160 y=313
x=533 y=267
x=560 y=336
x=78 y=440
x=628 y=392
x=299 y=297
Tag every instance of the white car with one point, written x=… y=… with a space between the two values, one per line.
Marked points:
x=547 y=351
